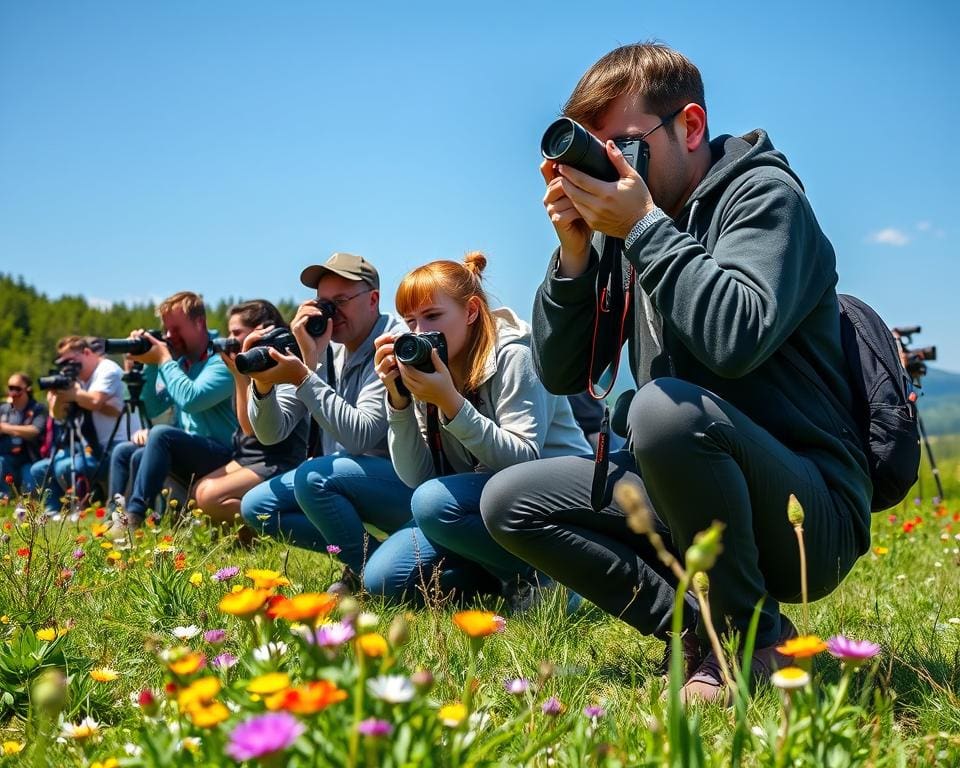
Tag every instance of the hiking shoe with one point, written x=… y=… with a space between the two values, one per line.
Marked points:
x=123 y=526
x=348 y=583
x=706 y=683
x=694 y=651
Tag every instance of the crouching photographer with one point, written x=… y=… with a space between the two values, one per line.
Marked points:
x=22 y=424
x=85 y=393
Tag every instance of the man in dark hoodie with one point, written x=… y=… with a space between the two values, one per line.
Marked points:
x=728 y=266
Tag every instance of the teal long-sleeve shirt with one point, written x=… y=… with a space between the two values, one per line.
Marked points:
x=202 y=395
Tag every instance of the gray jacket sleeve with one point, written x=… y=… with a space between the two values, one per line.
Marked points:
x=522 y=414
x=276 y=414
x=359 y=429
x=408 y=446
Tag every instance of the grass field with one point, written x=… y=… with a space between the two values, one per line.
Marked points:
x=109 y=617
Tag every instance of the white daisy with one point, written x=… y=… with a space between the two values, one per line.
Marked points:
x=394 y=689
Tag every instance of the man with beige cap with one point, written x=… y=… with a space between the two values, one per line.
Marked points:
x=351 y=481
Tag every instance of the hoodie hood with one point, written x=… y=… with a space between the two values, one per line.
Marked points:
x=510 y=330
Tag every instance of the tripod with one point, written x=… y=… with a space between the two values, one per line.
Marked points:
x=71 y=434
x=914 y=362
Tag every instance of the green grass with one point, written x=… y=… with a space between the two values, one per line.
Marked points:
x=902 y=599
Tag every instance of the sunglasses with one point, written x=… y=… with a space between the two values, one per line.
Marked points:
x=14 y=388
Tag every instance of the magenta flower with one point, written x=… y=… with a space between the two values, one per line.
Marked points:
x=225 y=574
x=224 y=661
x=594 y=712
x=333 y=635
x=333 y=549
x=78 y=554
x=264 y=736
x=374 y=729
x=552 y=707
x=516 y=686
x=852 y=652
x=215 y=636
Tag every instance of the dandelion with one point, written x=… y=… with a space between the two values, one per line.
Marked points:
x=307 y=699
x=790 y=678
x=393 y=689
x=47 y=634
x=517 y=686
x=13 y=747
x=372 y=645
x=104 y=674
x=552 y=707
x=110 y=762
x=214 y=636
x=374 y=729
x=264 y=736
x=87 y=729
x=479 y=623
x=852 y=652
x=333 y=635
x=225 y=574
x=186 y=633
x=451 y=715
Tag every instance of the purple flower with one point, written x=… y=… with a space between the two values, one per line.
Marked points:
x=552 y=707
x=373 y=728
x=917 y=501
x=516 y=686
x=594 y=712
x=333 y=635
x=333 y=549
x=225 y=574
x=263 y=736
x=224 y=661
x=215 y=636
x=78 y=554
x=852 y=652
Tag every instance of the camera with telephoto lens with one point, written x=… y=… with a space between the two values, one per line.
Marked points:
x=914 y=357
x=61 y=377
x=317 y=324
x=227 y=346
x=567 y=142
x=258 y=358
x=138 y=345
x=414 y=349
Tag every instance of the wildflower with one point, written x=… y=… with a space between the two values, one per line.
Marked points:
x=196 y=578
x=394 y=689
x=479 y=623
x=367 y=622
x=909 y=526
x=852 y=652
x=594 y=712
x=47 y=634
x=188 y=664
x=224 y=661
x=208 y=715
x=374 y=729
x=422 y=680
x=13 y=747
x=87 y=729
x=881 y=550
x=517 y=686
x=269 y=683
x=114 y=556
x=200 y=691
x=631 y=497
x=309 y=605
x=147 y=702
x=186 y=633
x=263 y=736
x=307 y=699
x=789 y=678
x=214 y=636
x=179 y=561
x=372 y=645
x=803 y=647
x=245 y=603
x=333 y=635
x=104 y=674
x=23 y=552
x=266 y=579
x=110 y=762
x=333 y=549
x=225 y=574
x=399 y=632
x=79 y=554
x=269 y=651
x=552 y=707
x=451 y=715
x=98 y=529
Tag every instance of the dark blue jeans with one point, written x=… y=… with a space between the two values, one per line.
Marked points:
x=171 y=450
x=19 y=467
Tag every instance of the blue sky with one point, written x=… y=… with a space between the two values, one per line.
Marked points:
x=222 y=146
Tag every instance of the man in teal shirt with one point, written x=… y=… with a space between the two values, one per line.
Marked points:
x=181 y=371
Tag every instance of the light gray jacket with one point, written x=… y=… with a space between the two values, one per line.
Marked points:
x=512 y=419
x=352 y=414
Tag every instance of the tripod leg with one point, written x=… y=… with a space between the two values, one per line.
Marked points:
x=934 y=470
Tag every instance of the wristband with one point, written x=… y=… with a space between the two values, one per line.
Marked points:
x=643 y=225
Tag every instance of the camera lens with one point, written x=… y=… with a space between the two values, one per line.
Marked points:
x=566 y=141
x=317 y=325
x=137 y=346
x=254 y=360
x=411 y=349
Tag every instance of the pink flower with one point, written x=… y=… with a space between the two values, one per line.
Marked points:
x=594 y=712
x=215 y=636
x=225 y=574
x=852 y=652
x=552 y=707
x=333 y=549
x=78 y=554
x=224 y=661
x=333 y=635
x=264 y=736
x=516 y=686
x=373 y=728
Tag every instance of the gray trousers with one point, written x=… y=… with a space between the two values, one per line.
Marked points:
x=700 y=460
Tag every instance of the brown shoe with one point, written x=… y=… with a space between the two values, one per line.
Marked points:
x=694 y=652
x=706 y=684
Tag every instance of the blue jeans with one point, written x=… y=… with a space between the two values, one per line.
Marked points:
x=124 y=462
x=271 y=510
x=19 y=467
x=447 y=545
x=170 y=449
x=59 y=479
x=340 y=493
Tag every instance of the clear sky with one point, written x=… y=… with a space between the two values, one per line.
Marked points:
x=150 y=147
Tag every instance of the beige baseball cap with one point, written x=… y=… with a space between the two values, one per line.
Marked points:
x=345 y=265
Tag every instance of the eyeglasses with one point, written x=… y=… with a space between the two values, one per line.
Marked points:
x=338 y=303
x=14 y=388
x=664 y=121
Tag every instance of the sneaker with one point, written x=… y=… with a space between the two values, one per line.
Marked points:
x=694 y=652
x=348 y=583
x=706 y=683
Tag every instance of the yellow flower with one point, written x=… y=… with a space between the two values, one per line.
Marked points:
x=114 y=556
x=165 y=546
x=104 y=674
x=13 y=747
x=789 y=678
x=803 y=647
x=106 y=545
x=372 y=644
x=196 y=578
x=209 y=715
x=244 y=603
x=4 y=619
x=99 y=529
x=110 y=762
x=451 y=715
x=266 y=579
x=187 y=664
x=272 y=682
x=198 y=692
x=881 y=550
x=478 y=623
x=47 y=634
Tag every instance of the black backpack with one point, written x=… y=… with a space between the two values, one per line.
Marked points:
x=884 y=411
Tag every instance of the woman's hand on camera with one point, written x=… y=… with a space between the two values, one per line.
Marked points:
x=437 y=387
x=311 y=347
x=385 y=364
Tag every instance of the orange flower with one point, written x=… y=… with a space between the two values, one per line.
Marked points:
x=309 y=605
x=803 y=647
x=200 y=691
x=104 y=674
x=99 y=529
x=179 y=561
x=478 y=623
x=372 y=645
x=307 y=699
x=188 y=664
x=207 y=716
x=244 y=603
x=266 y=579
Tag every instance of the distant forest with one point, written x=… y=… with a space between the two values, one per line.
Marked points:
x=31 y=323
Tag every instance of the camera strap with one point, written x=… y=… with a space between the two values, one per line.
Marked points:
x=440 y=464
x=614 y=296
x=315 y=437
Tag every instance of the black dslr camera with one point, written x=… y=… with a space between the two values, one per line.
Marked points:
x=915 y=357
x=226 y=345
x=317 y=325
x=258 y=358
x=414 y=349
x=566 y=141
x=61 y=377
x=138 y=345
